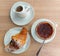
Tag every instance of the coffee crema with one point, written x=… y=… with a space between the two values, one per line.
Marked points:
x=19 y=8
x=44 y=30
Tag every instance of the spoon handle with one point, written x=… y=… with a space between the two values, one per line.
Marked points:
x=40 y=48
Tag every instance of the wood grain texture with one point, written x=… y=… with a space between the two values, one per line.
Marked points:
x=43 y=9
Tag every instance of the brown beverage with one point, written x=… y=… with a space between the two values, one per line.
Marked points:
x=19 y=8
x=44 y=30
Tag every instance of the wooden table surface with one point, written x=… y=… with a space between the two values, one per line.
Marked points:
x=43 y=9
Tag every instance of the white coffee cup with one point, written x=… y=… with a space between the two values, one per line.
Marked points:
x=24 y=12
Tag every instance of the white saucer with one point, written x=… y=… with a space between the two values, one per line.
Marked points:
x=14 y=31
x=34 y=35
x=17 y=20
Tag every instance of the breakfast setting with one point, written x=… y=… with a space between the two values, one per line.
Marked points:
x=30 y=28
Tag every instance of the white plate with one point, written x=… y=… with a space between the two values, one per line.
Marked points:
x=17 y=20
x=33 y=32
x=14 y=31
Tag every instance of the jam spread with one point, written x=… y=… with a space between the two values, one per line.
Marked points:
x=44 y=30
x=13 y=44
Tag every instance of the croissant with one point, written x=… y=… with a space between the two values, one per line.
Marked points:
x=17 y=41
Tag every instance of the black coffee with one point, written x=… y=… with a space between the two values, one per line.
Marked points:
x=19 y=8
x=44 y=30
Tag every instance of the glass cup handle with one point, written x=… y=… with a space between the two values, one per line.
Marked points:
x=56 y=24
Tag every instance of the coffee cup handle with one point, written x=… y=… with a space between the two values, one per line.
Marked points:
x=27 y=9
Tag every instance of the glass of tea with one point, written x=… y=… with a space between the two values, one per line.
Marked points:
x=45 y=29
